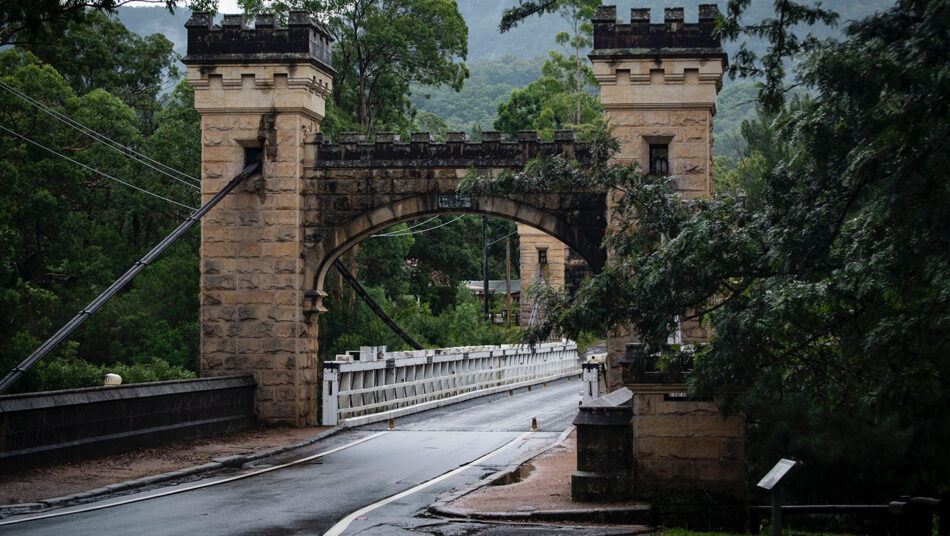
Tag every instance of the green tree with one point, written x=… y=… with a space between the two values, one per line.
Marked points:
x=384 y=46
x=431 y=123
x=35 y=21
x=829 y=302
x=98 y=52
x=550 y=103
x=565 y=94
x=67 y=232
x=577 y=13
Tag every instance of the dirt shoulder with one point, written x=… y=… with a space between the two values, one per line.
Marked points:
x=55 y=481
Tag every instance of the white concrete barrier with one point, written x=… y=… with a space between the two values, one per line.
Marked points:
x=374 y=385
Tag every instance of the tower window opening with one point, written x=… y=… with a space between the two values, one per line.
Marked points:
x=252 y=155
x=543 y=262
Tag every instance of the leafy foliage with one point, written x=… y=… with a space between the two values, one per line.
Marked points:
x=349 y=324
x=34 y=21
x=565 y=94
x=829 y=292
x=98 y=52
x=66 y=233
x=384 y=46
x=491 y=82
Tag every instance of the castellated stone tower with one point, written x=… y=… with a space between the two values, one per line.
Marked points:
x=260 y=93
x=658 y=85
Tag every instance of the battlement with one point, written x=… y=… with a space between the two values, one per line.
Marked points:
x=302 y=40
x=353 y=151
x=641 y=39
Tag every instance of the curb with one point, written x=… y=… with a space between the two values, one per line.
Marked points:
x=640 y=514
x=441 y=504
x=230 y=462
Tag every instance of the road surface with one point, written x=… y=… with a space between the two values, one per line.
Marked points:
x=368 y=480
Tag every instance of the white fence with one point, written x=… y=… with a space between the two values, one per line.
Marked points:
x=374 y=385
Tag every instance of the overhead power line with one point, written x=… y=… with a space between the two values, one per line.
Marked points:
x=126 y=151
x=106 y=175
x=406 y=229
x=403 y=233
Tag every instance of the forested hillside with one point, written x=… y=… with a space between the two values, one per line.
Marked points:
x=501 y=62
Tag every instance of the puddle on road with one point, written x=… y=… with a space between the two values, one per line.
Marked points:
x=515 y=476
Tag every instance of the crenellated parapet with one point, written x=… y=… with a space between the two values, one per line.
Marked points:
x=671 y=38
x=351 y=150
x=302 y=40
x=265 y=69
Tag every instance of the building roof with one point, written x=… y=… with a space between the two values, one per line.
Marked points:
x=495 y=286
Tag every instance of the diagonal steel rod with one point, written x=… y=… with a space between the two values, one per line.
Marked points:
x=351 y=279
x=119 y=283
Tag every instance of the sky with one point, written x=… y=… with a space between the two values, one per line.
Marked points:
x=224 y=6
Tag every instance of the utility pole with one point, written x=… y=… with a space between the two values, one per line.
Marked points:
x=508 y=280
x=485 y=267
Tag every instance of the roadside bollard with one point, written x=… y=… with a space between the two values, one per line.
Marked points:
x=511 y=393
x=392 y=424
x=534 y=424
x=544 y=385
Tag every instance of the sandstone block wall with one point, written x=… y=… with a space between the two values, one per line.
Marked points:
x=658 y=85
x=530 y=241
x=252 y=272
x=684 y=451
x=260 y=93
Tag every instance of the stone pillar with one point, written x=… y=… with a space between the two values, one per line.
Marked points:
x=260 y=94
x=689 y=460
x=604 y=448
x=658 y=85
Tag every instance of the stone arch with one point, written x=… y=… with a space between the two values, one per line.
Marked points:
x=355 y=230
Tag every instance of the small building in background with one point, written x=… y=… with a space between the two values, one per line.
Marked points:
x=498 y=287
x=546 y=257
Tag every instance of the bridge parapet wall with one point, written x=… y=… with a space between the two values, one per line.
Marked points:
x=374 y=385
x=61 y=426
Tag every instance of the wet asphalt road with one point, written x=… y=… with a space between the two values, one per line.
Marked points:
x=312 y=497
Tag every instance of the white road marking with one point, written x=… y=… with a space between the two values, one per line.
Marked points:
x=190 y=488
x=344 y=523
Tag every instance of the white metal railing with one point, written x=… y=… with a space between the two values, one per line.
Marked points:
x=373 y=384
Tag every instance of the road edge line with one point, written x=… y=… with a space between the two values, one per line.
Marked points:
x=344 y=523
x=192 y=488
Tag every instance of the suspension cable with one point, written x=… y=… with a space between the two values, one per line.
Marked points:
x=375 y=307
x=106 y=175
x=407 y=228
x=126 y=151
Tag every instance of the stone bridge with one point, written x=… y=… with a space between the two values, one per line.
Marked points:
x=357 y=189
x=267 y=247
